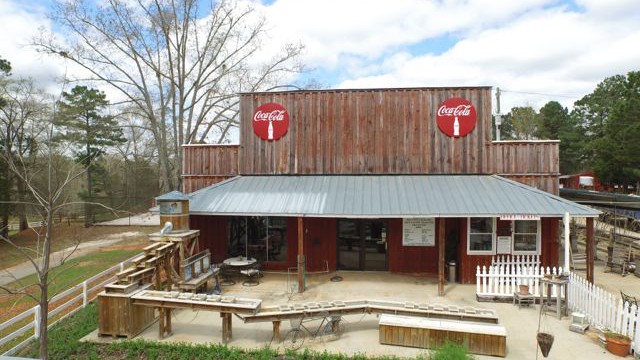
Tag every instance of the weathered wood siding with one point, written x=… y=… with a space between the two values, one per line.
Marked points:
x=382 y=131
x=535 y=163
x=388 y=131
x=203 y=165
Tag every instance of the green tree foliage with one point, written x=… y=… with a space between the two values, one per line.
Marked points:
x=615 y=151
x=555 y=123
x=593 y=112
x=524 y=121
x=80 y=116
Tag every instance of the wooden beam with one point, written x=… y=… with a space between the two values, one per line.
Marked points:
x=591 y=250
x=441 y=246
x=276 y=331
x=300 y=255
x=226 y=327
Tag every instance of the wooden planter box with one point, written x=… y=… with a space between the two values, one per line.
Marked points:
x=478 y=338
x=119 y=317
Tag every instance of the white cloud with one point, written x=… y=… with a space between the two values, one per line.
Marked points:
x=538 y=47
x=533 y=46
x=18 y=25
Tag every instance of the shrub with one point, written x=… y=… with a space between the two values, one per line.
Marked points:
x=451 y=351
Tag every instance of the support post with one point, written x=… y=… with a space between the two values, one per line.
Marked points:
x=161 y=323
x=591 y=250
x=441 y=247
x=567 y=242
x=276 y=331
x=300 y=255
x=36 y=321
x=85 y=294
x=226 y=327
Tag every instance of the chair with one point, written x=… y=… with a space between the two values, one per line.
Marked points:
x=227 y=273
x=629 y=299
x=252 y=273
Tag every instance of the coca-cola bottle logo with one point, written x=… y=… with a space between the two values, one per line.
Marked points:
x=456 y=117
x=270 y=121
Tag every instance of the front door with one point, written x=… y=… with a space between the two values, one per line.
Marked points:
x=362 y=245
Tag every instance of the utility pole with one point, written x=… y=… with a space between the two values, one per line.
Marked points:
x=498 y=115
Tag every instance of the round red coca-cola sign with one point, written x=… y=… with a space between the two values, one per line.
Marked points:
x=270 y=121
x=456 y=117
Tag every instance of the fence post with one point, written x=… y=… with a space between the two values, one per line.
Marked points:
x=36 y=321
x=85 y=295
x=122 y=266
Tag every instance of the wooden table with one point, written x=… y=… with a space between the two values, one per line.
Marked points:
x=560 y=285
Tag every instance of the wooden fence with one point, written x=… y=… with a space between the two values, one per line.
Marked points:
x=85 y=292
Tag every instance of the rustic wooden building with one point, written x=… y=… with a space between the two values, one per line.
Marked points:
x=400 y=180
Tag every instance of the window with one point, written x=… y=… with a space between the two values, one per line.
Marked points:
x=526 y=239
x=481 y=236
x=263 y=238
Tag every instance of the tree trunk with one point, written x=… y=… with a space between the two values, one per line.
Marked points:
x=44 y=288
x=4 y=221
x=88 y=206
x=20 y=208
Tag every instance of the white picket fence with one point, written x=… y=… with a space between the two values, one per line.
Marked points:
x=516 y=260
x=85 y=289
x=503 y=280
x=603 y=309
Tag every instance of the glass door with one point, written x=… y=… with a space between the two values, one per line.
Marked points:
x=362 y=245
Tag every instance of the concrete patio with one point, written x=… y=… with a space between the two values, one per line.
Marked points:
x=361 y=331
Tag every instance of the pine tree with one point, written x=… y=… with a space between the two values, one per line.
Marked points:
x=80 y=115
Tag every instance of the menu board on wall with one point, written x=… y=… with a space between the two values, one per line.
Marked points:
x=503 y=245
x=419 y=232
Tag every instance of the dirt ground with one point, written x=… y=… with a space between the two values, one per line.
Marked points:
x=65 y=235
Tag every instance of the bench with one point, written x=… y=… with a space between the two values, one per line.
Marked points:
x=426 y=333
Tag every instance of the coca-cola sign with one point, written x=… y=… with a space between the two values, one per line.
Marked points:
x=270 y=121
x=456 y=117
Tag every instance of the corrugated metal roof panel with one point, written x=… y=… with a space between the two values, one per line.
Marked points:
x=380 y=196
x=172 y=196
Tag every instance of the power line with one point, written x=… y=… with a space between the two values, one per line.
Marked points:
x=540 y=94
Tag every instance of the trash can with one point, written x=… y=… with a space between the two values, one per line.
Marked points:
x=452 y=271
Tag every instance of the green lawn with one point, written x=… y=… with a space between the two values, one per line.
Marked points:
x=63 y=277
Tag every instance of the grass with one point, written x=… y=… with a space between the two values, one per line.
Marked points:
x=63 y=277
x=64 y=343
x=65 y=235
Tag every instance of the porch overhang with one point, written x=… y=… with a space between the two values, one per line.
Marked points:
x=380 y=196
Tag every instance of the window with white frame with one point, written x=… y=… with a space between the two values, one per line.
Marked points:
x=526 y=236
x=481 y=236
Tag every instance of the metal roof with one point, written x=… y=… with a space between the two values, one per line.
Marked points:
x=174 y=195
x=380 y=196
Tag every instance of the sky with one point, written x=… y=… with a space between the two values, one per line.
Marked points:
x=535 y=51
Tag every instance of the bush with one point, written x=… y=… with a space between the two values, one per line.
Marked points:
x=451 y=351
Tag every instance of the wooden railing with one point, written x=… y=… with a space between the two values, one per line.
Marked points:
x=29 y=320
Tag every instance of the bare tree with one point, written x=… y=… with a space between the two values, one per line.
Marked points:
x=47 y=196
x=179 y=64
x=20 y=125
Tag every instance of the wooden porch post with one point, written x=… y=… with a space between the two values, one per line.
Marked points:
x=300 y=255
x=591 y=249
x=441 y=256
